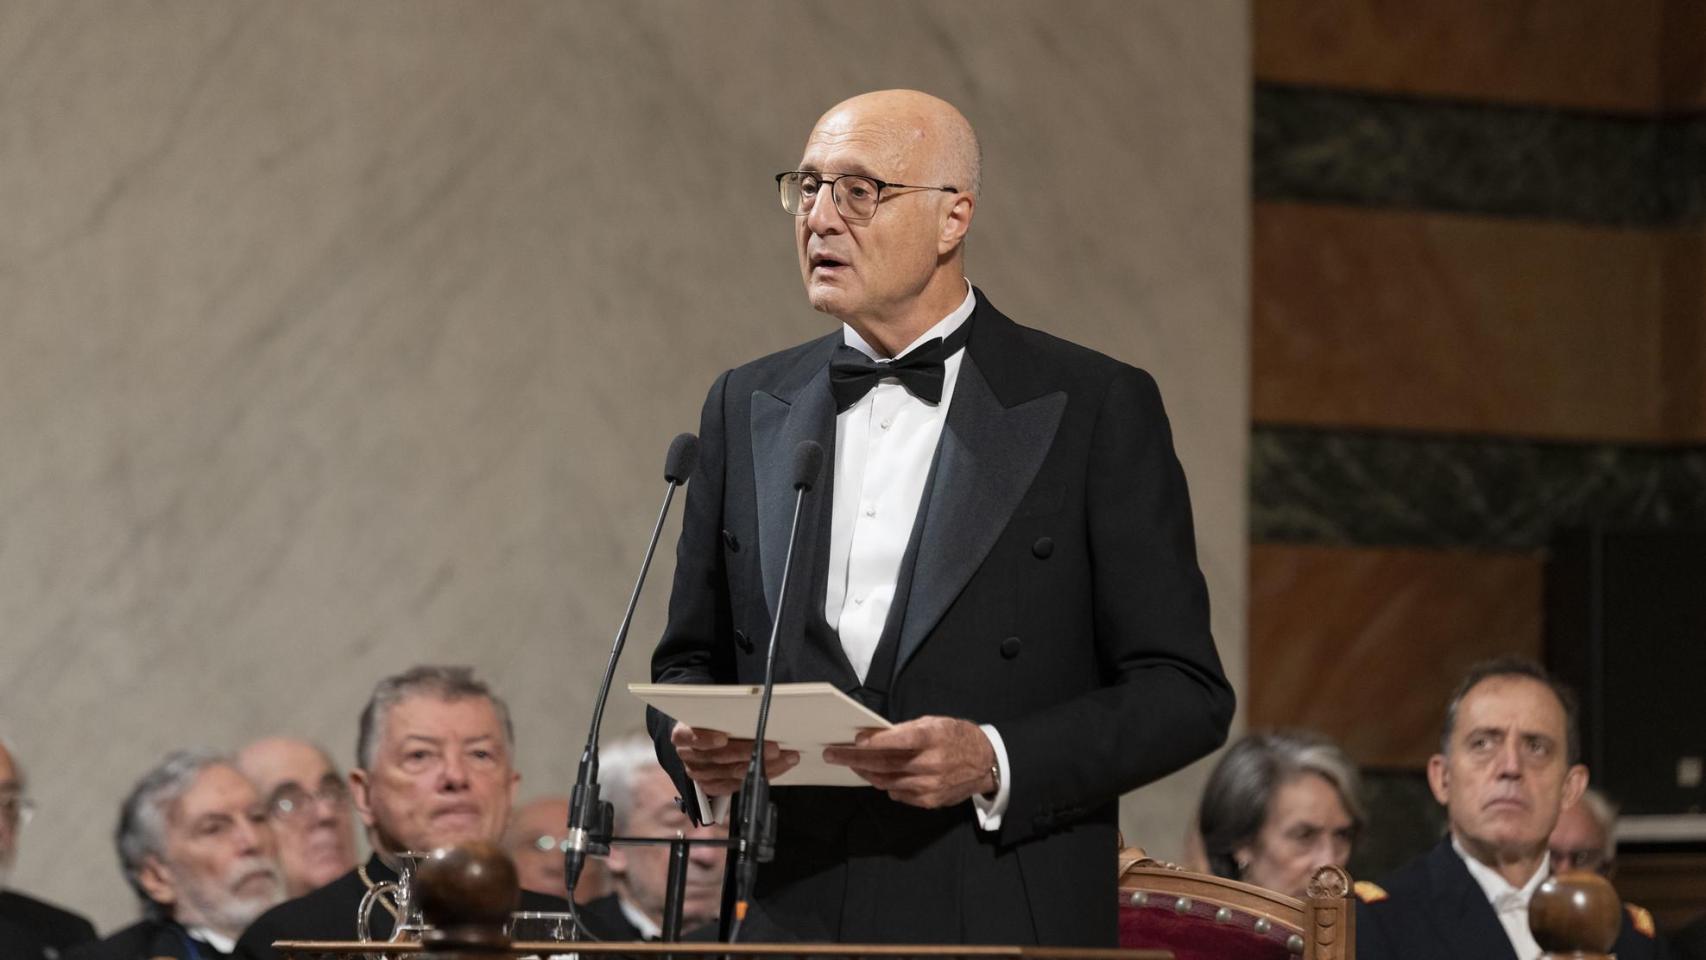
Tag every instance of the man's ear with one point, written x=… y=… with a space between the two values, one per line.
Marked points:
x=1439 y=778
x=358 y=792
x=956 y=223
x=156 y=881
x=616 y=863
x=1575 y=783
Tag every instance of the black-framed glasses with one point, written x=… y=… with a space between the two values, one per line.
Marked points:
x=16 y=809
x=855 y=197
x=293 y=801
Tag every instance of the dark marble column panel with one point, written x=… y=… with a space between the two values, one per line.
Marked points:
x=1339 y=487
x=1393 y=151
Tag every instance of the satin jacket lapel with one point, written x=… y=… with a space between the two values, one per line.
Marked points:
x=1461 y=910
x=799 y=410
x=987 y=458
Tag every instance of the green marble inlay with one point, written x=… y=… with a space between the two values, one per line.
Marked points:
x=1388 y=489
x=1365 y=149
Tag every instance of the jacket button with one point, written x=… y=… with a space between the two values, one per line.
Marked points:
x=730 y=542
x=1042 y=548
x=743 y=641
x=1010 y=648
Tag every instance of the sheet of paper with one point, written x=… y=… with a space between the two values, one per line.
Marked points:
x=803 y=716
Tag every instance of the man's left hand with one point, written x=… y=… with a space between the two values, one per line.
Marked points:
x=928 y=762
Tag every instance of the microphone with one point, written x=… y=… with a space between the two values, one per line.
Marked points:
x=590 y=820
x=758 y=814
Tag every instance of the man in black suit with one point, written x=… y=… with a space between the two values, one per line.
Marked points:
x=1000 y=560
x=1506 y=767
x=195 y=844
x=433 y=755
x=32 y=929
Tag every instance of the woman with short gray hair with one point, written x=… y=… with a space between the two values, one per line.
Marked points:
x=1279 y=806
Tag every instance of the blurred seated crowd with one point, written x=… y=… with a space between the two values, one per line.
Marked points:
x=228 y=853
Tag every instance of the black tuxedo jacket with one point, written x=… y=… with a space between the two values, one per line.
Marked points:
x=1434 y=910
x=1056 y=595
x=146 y=940
x=329 y=913
x=49 y=930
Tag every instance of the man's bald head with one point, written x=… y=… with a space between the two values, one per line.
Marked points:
x=271 y=759
x=892 y=264
x=926 y=135
x=310 y=808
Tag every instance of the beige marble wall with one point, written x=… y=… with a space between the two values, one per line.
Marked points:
x=339 y=336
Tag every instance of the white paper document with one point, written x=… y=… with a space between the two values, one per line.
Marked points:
x=805 y=717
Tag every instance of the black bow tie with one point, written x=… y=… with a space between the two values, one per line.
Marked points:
x=921 y=372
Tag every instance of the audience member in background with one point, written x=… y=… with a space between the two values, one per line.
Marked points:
x=1507 y=767
x=1586 y=836
x=535 y=837
x=310 y=810
x=435 y=767
x=30 y=927
x=1278 y=807
x=643 y=796
x=194 y=842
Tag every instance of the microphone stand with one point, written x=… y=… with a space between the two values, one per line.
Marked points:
x=591 y=819
x=757 y=843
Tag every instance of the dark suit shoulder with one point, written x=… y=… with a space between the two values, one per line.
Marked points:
x=54 y=926
x=1637 y=936
x=1395 y=915
x=1413 y=881
x=139 y=941
x=798 y=361
x=605 y=919
x=18 y=942
x=1022 y=363
x=324 y=914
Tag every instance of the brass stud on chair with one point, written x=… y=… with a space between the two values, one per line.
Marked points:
x=1294 y=943
x=1263 y=925
x=1139 y=898
x=1182 y=905
x=1223 y=915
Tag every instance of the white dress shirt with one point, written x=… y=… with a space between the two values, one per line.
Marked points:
x=885 y=444
x=1510 y=903
x=213 y=938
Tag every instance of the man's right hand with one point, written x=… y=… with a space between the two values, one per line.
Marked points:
x=717 y=762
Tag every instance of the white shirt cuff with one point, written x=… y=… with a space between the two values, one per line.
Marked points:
x=989 y=810
x=713 y=809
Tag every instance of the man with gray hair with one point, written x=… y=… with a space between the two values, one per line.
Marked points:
x=1586 y=836
x=1508 y=764
x=195 y=844
x=30 y=927
x=434 y=768
x=644 y=800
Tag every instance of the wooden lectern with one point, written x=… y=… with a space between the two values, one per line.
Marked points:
x=467 y=893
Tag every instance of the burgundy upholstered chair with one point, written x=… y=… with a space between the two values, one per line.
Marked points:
x=1199 y=916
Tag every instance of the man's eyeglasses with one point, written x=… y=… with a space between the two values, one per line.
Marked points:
x=16 y=809
x=1591 y=859
x=855 y=197
x=545 y=843
x=293 y=802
